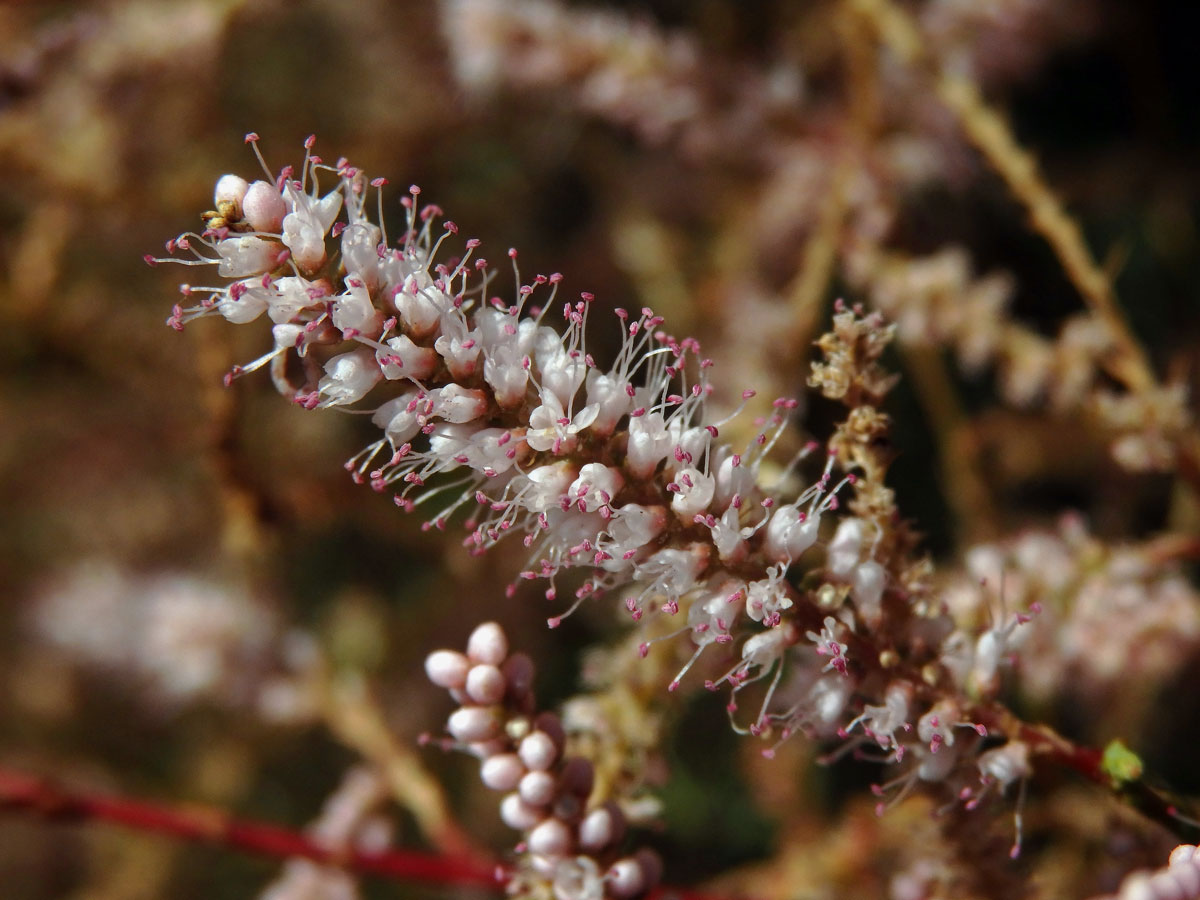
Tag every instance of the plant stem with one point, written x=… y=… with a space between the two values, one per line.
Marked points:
x=25 y=792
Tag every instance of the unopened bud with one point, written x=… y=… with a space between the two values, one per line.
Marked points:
x=487 y=644
x=485 y=684
x=502 y=772
x=447 y=669
x=473 y=723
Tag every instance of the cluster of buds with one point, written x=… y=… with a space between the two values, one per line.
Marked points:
x=566 y=842
x=1180 y=880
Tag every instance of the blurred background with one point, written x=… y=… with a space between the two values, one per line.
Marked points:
x=194 y=592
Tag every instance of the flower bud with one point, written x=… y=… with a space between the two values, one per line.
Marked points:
x=264 y=207
x=447 y=668
x=537 y=788
x=538 y=751
x=473 y=723
x=578 y=776
x=518 y=674
x=601 y=828
x=626 y=879
x=502 y=772
x=487 y=644
x=518 y=814
x=230 y=189
x=485 y=684
x=551 y=837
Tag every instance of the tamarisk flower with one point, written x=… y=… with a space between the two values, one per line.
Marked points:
x=485 y=406
x=618 y=470
x=566 y=842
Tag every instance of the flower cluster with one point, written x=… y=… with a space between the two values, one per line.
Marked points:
x=935 y=301
x=1111 y=617
x=618 y=470
x=614 y=469
x=573 y=846
x=183 y=639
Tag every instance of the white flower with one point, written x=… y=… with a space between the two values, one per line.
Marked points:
x=242 y=302
x=360 y=253
x=458 y=346
x=693 y=492
x=290 y=296
x=348 y=377
x=843 y=551
x=631 y=528
x=767 y=597
x=305 y=227
x=404 y=359
x=595 y=487
x=398 y=418
x=649 y=443
x=562 y=372
x=421 y=303
x=353 y=311
x=790 y=532
x=613 y=398
x=551 y=429
x=246 y=255
x=457 y=404
x=882 y=722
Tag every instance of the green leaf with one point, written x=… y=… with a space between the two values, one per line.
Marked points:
x=1121 y=764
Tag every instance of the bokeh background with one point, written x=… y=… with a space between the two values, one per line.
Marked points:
x=178 y=559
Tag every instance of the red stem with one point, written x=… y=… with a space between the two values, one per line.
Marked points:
x=212 y=826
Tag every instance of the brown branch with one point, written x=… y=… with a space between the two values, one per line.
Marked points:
x=25 y=792
x=355 y=718
x=1136 y=791
x=991 y=136
x=988 y=132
